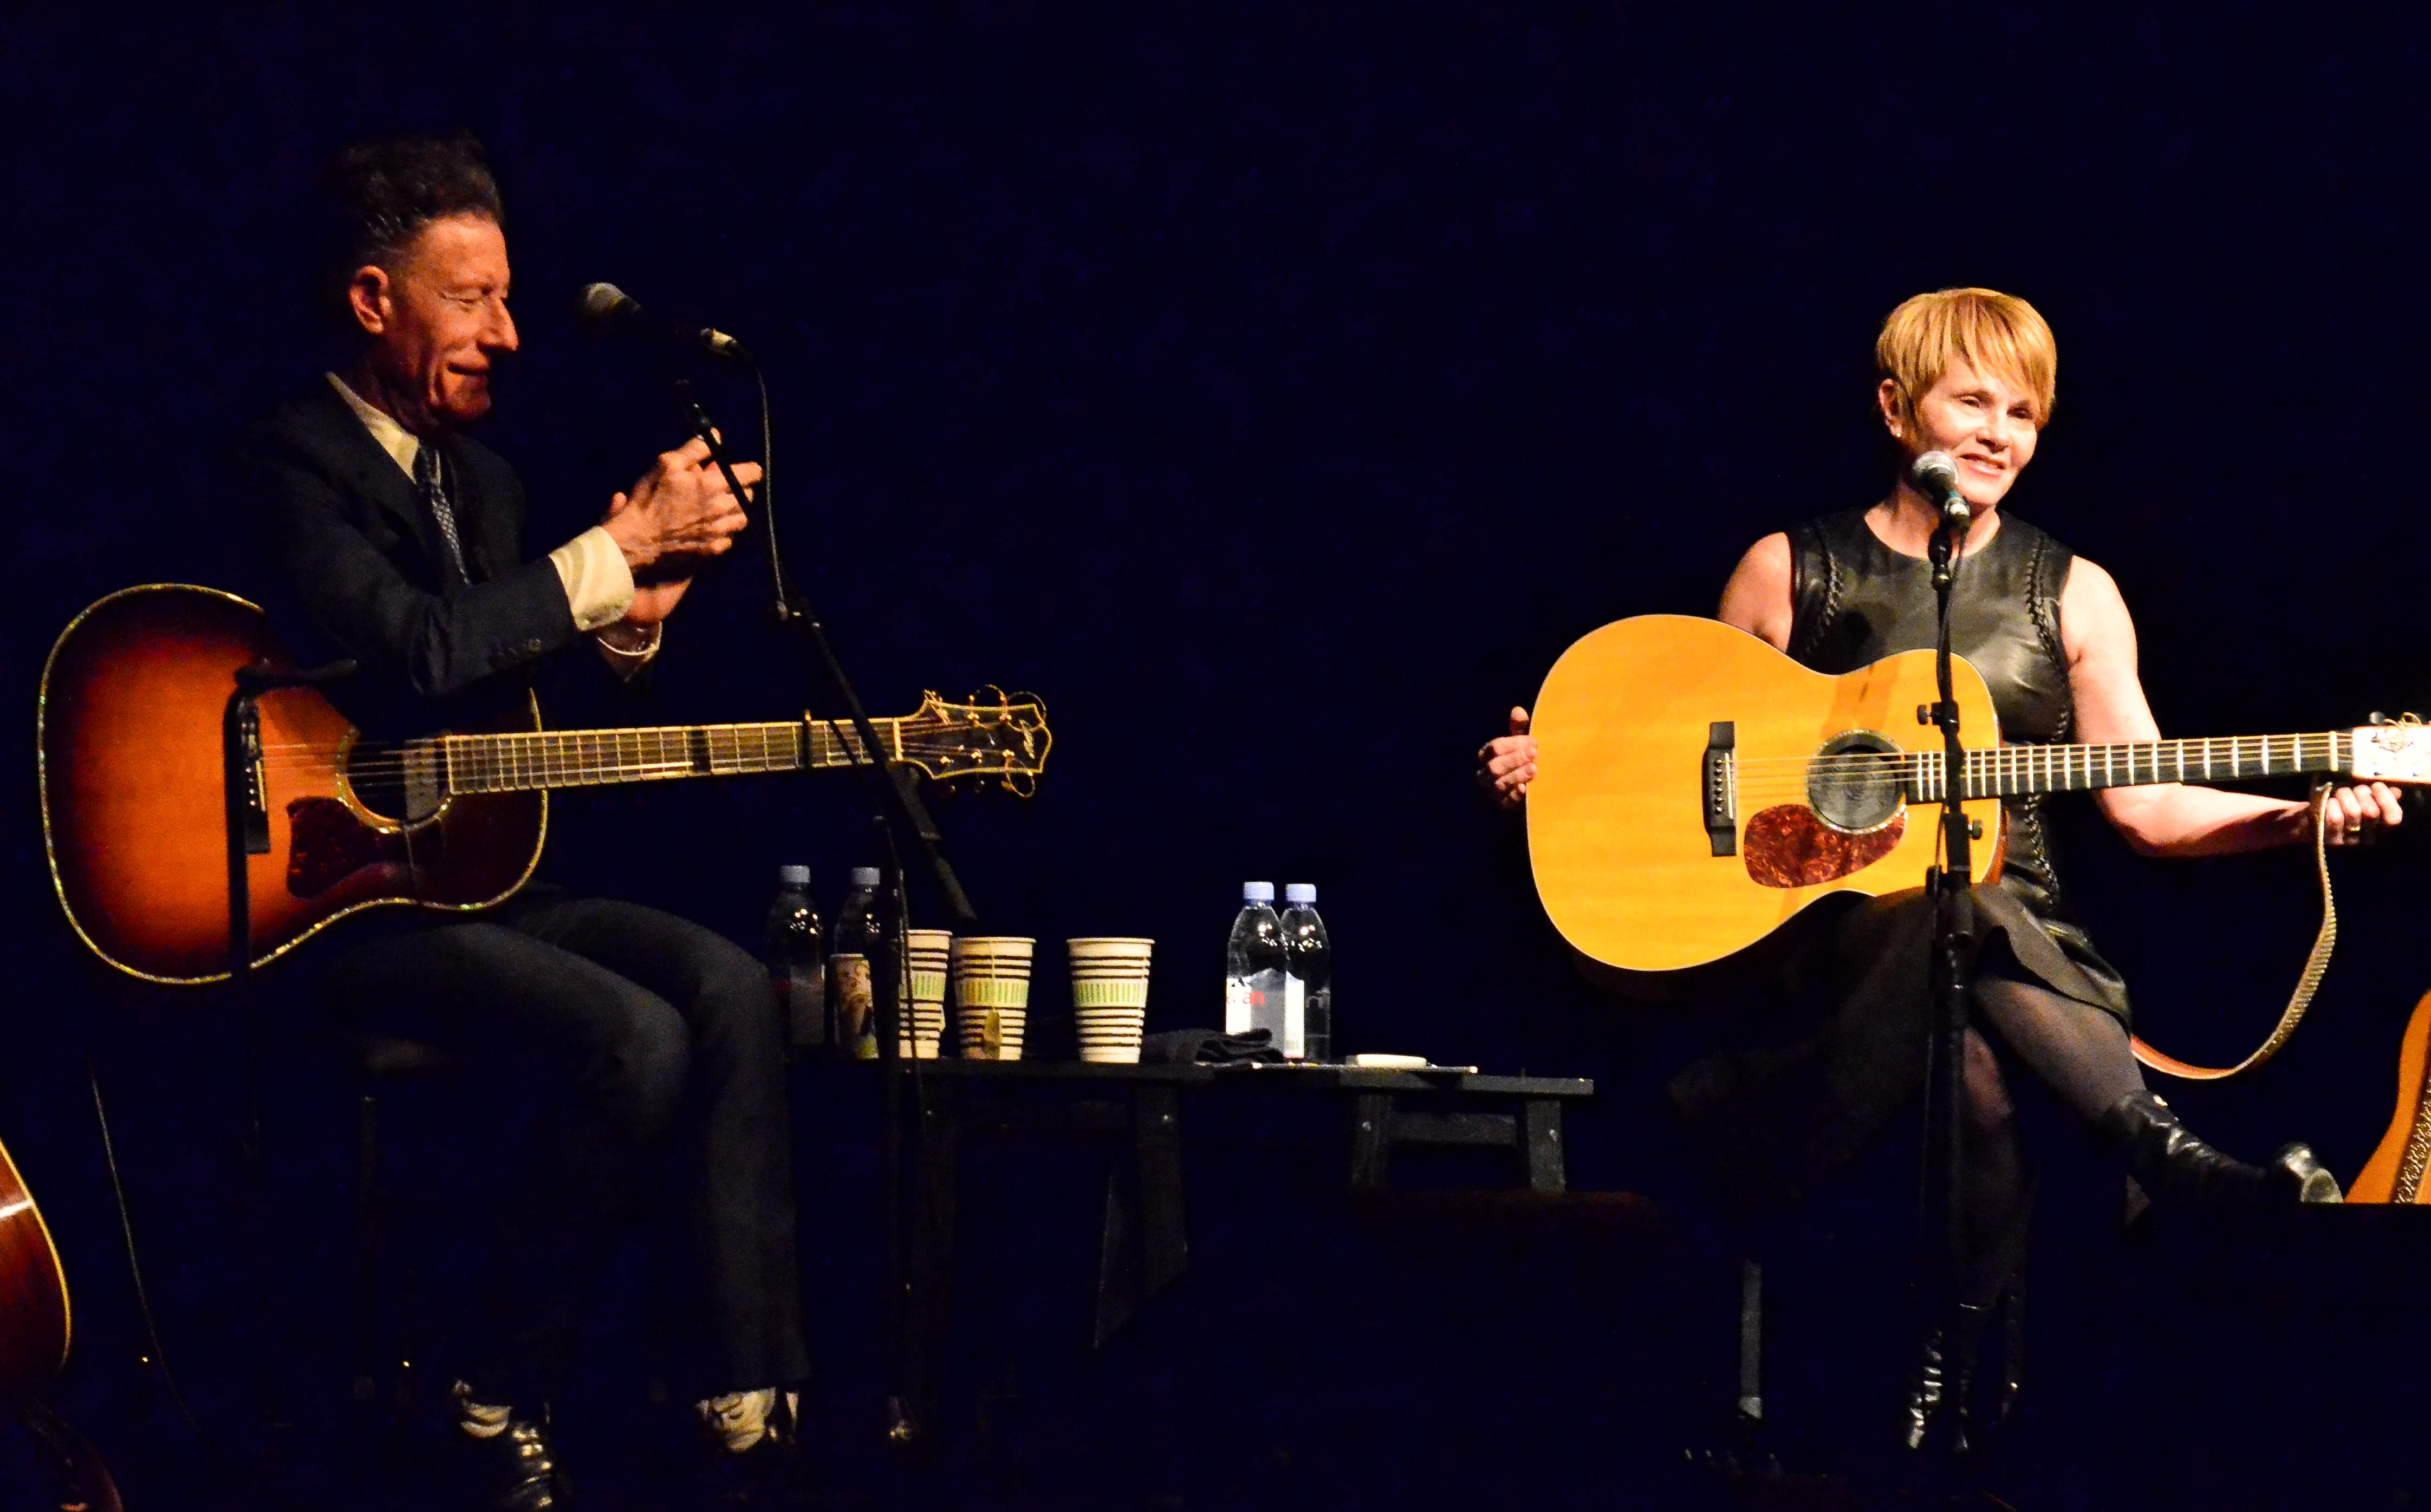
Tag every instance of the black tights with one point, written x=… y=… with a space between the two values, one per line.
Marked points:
x=2077 y=1051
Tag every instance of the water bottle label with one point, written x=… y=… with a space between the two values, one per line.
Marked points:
x=1295 y=1035
x=856 y=1017
x=1241 y=1005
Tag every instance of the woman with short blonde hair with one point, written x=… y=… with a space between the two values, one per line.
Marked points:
x=1974 y=373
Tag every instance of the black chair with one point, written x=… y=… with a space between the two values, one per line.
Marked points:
x=385 y=1356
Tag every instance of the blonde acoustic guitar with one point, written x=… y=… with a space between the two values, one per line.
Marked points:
x=1696 y=789
x=2394 y=1173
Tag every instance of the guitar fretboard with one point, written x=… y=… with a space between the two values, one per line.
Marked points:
x=522 y=761
x=2011 y=770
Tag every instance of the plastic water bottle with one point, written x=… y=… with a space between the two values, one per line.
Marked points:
x=795 y=968
x=1308 y=982
x=1254 y=965
x=849 y=999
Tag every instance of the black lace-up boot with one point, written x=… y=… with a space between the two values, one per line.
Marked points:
x=1926 y=1392
x=1939 y=1407
x=2173 y=1164
x=507 y=1465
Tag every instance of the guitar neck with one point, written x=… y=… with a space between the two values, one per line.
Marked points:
x=2015 y=771
x=522 y=762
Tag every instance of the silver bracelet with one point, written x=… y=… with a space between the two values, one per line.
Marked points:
x=647 y=648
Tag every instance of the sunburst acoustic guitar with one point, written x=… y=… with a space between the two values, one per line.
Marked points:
x=1696 y=789
x=134 y=793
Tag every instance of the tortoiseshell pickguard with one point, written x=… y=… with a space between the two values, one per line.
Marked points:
x=327 y=844
x=1788 y=846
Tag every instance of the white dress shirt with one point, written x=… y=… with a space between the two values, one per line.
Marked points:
x=599 y=585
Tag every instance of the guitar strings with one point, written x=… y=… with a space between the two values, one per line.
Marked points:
x=571 y=774
x=509 y=745
x=2238 y=751
x=786 y=732
x=2033 y=758
x=577 y=767
x=1920 y=771
x=377 y=759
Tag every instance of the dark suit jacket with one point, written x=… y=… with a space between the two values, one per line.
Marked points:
x=354 y=570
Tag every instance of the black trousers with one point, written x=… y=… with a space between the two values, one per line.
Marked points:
x=634 y=1034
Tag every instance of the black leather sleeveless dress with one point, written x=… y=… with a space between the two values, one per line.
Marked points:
x=1837 y=1050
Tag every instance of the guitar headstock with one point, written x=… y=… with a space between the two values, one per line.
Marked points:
x=996 y=733
x=2396 y=750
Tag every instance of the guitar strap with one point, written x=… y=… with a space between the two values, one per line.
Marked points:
x=2315 y=965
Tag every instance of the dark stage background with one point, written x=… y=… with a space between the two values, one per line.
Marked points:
x=1277 y=390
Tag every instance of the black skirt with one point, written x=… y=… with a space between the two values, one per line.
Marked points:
x=1828 y=1045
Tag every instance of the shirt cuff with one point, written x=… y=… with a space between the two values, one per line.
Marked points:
x=598 y=585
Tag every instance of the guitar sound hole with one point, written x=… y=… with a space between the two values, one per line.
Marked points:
x=1856 y=782
x=398 y=784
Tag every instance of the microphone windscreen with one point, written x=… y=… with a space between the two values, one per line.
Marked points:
x=599 y=301
x=1933 y=473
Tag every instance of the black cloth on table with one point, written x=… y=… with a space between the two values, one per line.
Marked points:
x=1183 y=1047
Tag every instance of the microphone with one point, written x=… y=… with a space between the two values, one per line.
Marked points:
x=1936 y=477
x=611 y=308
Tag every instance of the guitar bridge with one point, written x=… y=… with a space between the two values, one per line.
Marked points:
x=255 y=797
x=1721 y=788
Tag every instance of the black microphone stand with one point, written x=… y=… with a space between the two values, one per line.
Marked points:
x=904 y=823
x=248 y=813
x=1942 y=1221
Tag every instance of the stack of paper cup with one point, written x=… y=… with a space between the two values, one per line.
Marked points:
x=991 y=985
x=924 y=1006
x=1110 y=996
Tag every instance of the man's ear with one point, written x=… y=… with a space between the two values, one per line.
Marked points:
x=368 y=297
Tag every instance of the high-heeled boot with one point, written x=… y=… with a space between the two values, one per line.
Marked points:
x=2171 y=1164
x=1939 y=1401
x=1924 y=1393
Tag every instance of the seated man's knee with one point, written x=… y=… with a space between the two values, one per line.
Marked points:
x=648 y=1060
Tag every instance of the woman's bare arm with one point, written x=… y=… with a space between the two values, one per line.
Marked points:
x=2176 y=819
x=1757 y=599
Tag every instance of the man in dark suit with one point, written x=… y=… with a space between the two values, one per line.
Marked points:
x=395 y=540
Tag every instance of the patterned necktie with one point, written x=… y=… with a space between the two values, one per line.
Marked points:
x=430 y=482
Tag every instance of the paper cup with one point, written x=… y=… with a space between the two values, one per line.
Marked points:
x=990 y=991
x=926 y=954
x=1110 y=977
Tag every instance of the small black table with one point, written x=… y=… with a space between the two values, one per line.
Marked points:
x=1144 y=1244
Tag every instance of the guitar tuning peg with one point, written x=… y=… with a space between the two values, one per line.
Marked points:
x=2377 y=717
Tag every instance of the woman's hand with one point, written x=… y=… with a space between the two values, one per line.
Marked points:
x=1507 y=763
x=2356 y=815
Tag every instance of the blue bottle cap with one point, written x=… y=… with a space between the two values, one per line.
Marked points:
x=1300 y=892
x=1257 y=892
x=792 y=876
x=865 y=877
